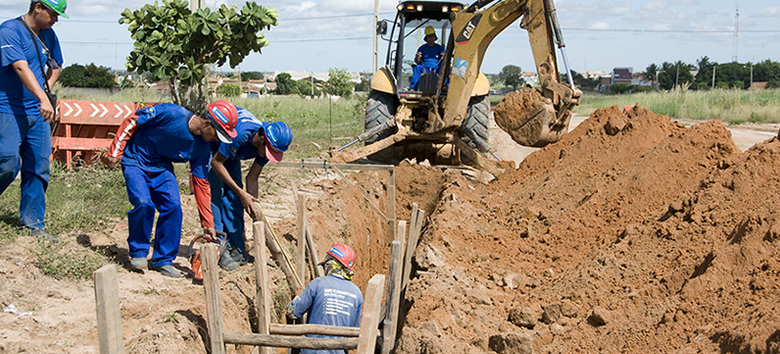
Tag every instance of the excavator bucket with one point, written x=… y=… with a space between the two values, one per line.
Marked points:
x=530 y=119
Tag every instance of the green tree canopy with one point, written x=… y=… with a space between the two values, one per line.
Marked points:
x=338 y=83
x=177 y=45
x=229 y=89
x=305 y=87
x=285 y=85
x=510 y=76
x=87 y=76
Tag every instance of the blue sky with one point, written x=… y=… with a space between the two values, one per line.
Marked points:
x=314 y=35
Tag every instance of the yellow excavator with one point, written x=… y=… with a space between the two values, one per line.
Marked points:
x=443 y=116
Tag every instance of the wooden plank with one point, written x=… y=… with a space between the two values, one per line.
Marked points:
x=270 y=340
x=213 y=298
x=324 y=164
x=300 y=262
x=391 y=205
x=263 y=297
x=393 y=292
x=109 y=320
x=323 y=330
x=369 y=321
x=314 y=257
x=414 y=238
x=89 y=144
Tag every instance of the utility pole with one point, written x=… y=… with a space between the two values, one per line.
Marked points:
x=312 y=84
x=751 y=75
x=677 y=79
x=195 y=5
x=376 y=35
x=736 y=33
x=713 y=76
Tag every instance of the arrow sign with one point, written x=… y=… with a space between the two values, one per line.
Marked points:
x=78 y=109
x=120 y=111
x=104 y=110
x=70 y=109
x=94 y=108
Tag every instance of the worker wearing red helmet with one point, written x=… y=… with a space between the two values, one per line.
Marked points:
x=331 y=299
x=261 y=142
x=148 y=143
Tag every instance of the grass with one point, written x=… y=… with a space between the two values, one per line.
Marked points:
x=728 y=105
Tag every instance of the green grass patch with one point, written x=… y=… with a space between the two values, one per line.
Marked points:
x=67 y=260
x=729 y=105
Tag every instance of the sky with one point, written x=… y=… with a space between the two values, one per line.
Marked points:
x=315 y=35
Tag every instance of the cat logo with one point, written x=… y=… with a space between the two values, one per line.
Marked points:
x=468 y=31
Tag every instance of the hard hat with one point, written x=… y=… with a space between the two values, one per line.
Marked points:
x=58 y=6
x=430 y=31
x=278 y=136
x=344 y=254
x=224 y=116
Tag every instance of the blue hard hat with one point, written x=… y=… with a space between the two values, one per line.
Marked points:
x=278 y=136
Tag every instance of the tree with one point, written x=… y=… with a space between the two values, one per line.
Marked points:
x=620 y=88
x=364 y=85
x=305 y=87
x=249 y=75
x=177 y=45
x=87 y=76
x=285 y=85
x=510 y=76
x=338 y=83
x=651 y=72
x=229 y=89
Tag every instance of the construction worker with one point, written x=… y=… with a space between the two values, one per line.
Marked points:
x=428 y=57
x=332 y=299
x=256 y=140
x=28 y=45
x=148 y=144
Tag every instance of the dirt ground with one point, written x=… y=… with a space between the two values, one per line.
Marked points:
x=634 y=233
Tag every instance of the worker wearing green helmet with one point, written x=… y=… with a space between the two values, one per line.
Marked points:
x=30 y=62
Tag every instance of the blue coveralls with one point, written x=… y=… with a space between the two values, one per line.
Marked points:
x=162 y=138
x=332 y=301
x=431 y=56
x=225 y=203
x=25 y=139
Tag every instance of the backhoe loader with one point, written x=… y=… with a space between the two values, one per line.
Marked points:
x=445 y=117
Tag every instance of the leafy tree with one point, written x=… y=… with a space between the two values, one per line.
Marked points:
x=510 y=76
x=248 y=75
x=651 y=72
x=674 y=74
x=87 y=76
x=338 y=83
x=285 y=85
x=229 y=90
x=177 y=45
x=304 y=88
x=620 y=88
x=364 y=85
x=730 y=73
x=704 y=76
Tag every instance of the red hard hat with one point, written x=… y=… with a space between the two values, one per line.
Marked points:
x=224 y=116
x=344 y=254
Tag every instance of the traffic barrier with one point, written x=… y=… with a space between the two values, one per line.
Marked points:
x=83 y=128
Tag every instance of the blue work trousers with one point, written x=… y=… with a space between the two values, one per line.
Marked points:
x=25 y=144
x=147 y=192
x=226 y=206
x=420 y=69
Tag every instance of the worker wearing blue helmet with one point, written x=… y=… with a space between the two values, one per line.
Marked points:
x=256 y=140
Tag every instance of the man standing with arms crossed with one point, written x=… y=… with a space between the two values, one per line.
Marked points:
x=148 y=144
x=27 y=45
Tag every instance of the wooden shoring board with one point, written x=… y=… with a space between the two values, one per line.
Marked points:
x=263 y=292
x=109 y=319
x=369 y=320
x=213 y=298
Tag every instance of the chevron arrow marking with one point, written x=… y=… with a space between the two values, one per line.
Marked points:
x=94 y=108
x=105 y=110
x=78 y=108
x=70 y=109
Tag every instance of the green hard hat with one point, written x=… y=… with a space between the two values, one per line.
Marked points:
x=59 y=6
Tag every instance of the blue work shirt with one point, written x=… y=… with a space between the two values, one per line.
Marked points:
x=332 y=301
x=431 y=55
x=162 y=138
x=16 y=45
x=241 y=148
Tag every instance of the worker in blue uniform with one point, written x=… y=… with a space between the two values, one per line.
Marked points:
x=256 y=140
x=28 y=45
x=148 y=144
x=428 y=57
x=332 y=299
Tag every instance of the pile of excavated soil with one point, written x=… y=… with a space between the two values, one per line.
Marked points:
x=632 y=234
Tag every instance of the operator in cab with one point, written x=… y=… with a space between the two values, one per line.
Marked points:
x=428 y=58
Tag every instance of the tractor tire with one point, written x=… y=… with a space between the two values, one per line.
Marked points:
x=379 y=108
x=476 y=123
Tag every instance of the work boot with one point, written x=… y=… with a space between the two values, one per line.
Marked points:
x=227 y=263
x=242 y=258
x=138 y=263
x=169 y=271
x=44 y=235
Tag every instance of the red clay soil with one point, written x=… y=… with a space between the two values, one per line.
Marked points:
x=632 y=234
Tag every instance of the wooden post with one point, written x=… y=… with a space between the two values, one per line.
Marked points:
x=213 y=298
x=263 y=292
x=313 y=257
x=109 y=320
x=300 y=262
x=391 y=205
x=369 y=320
x=393 y=291
x=414 y=237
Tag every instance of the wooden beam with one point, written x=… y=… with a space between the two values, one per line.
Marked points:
x=323 y=330
x=391 y=205
x=300 y=262
x=263 y=297
x=314 y=257
x=269 y=340
x=414 y=238
x=309 y=163
x=393 y=292
x=109 y=319
x=369 y=320
x=213 y=299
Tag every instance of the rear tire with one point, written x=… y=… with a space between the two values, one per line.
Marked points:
x=379 y=108
x=476 y=123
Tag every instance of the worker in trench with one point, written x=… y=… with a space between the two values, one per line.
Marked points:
x=331 y=299
x=147 y=144
x=257 y=141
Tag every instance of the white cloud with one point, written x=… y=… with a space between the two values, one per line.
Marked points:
x=654 y=6
x=600 y=25
x=770 y=12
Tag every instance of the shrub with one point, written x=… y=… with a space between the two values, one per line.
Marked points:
x=229 y=89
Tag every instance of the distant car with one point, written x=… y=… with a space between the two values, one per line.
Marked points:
x=495 y=92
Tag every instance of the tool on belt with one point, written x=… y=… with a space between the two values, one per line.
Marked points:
x=194 y=256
